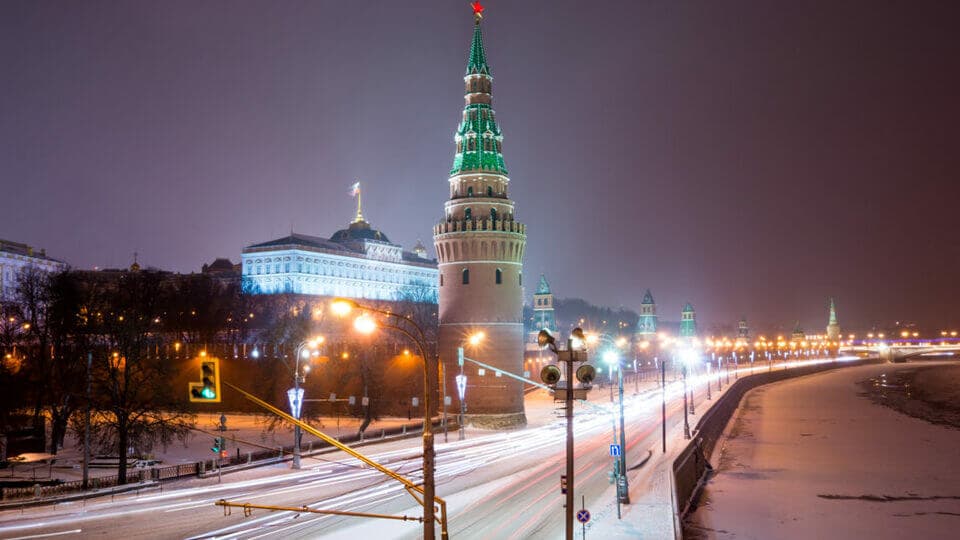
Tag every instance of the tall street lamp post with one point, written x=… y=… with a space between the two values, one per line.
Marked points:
x=461 y=379
x=295 y=395
x=623 y=488
x=574 y=343
x=408 y=327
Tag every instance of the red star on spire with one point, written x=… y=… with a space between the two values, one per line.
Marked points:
x=477 y=9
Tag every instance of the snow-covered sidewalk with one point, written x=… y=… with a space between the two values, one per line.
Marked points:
x=813 y=458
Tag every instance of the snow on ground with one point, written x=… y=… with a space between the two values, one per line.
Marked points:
x=815 y=457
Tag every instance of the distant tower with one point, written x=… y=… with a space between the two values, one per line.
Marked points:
x=543 y=315
x=480 y=250
x=688 y=323
x=833 y=327
x=647 y=325
x=419 y=250
x=743 y=331
x=798 y=333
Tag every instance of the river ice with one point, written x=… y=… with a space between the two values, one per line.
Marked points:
x=816 y=457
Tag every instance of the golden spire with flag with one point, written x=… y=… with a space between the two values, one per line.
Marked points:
x=355 y=192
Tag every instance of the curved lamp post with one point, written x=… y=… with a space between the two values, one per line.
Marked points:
x=366 y=325
x=304 y=349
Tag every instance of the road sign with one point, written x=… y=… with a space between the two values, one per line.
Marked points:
x=415 y=402
x=563 y=484
x=583 y=516
x=447 y=400
x=614 y=450
x=352 y=400
x=365 y=401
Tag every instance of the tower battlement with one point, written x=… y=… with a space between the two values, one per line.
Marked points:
x=479 y=225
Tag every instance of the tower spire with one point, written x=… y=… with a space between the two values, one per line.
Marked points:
x=355 y=192
x=477 y=65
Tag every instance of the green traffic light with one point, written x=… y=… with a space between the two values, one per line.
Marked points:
x=208 y=392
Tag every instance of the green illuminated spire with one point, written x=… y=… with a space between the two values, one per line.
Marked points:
x=833 y=313
x=478 y=136
x=478 y=57
x=543 y=287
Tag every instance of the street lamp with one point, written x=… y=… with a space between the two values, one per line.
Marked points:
x=623 y=490
x=687 y=357
x=473 y=340
x=295 y=394
x=343 y=306
x=575 y=342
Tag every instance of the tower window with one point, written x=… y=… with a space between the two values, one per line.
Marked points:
x=470 y=191
x=489 y=191
x=499 y=276
x=520 y=279
x=466 y=276
x=493 y=214
x=441 y=280
x=468 y=213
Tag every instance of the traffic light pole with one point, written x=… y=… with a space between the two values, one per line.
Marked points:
x=418 y=492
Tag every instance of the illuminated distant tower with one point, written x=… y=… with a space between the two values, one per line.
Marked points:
x=688 y=323
x=798 y=333
x=480 y=250
x=647 y=325
x=543 y=314
x=743 y=331
x=833 y=327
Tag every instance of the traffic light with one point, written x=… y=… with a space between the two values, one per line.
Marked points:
x=218 y=445
x=208 y=389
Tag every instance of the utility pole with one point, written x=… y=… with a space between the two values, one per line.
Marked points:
x=86 y=427
x=663 y=404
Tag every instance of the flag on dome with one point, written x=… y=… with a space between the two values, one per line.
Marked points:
x=355 y=189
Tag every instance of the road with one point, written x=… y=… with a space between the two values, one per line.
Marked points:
x=498 y=485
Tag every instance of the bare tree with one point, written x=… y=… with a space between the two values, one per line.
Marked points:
x=137 y=408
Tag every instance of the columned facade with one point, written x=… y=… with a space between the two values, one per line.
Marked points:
x=480 y=251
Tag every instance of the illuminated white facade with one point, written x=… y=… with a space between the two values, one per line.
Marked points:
x=356 y=262
x=14 y=257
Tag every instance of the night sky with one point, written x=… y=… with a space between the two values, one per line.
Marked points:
x=752 y=157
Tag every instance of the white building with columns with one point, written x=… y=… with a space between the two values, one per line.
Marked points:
x=357 y=262
x=14 y=257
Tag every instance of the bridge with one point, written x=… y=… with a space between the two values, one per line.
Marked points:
x=902 y=351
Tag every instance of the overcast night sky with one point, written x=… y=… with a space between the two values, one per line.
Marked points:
x=752 y=157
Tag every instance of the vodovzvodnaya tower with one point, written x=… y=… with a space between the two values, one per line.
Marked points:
x=480 y=252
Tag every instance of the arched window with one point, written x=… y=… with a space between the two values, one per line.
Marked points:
x=489 y=191
x=493 y=214
x=470 y=191
x=468 y=214
x=520 y=278
x=441 y=280
x=499 y=276
x=466 y=276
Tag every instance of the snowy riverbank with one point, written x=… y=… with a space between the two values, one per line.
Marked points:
x=816 y=457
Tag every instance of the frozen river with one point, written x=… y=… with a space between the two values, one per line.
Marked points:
x=823 y=457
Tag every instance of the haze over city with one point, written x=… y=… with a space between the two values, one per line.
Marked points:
x=689 y=148
x=538 y=270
